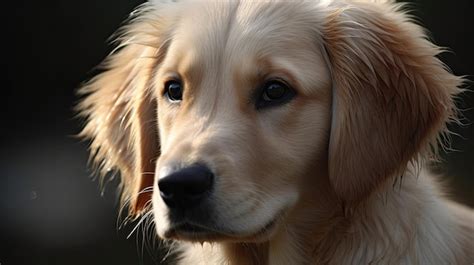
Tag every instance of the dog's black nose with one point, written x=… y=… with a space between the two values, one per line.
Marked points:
x=186 y=187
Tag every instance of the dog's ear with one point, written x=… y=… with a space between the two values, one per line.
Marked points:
x=391 y=95
x=121 y=111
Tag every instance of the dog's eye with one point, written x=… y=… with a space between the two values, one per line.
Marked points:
x=274 y=93
x=174 y=90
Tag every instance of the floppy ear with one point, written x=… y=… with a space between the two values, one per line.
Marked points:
x=391 y=95
x=121 y=110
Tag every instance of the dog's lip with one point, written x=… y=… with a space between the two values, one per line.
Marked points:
x=198 y=232
x=194 y=232
x=192 y=228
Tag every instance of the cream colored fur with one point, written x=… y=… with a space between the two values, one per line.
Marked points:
x=340 y=171
x=429 y=230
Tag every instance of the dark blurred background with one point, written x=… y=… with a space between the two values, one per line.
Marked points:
x=51 y=212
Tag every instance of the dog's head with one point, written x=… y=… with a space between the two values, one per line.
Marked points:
x=220 y=114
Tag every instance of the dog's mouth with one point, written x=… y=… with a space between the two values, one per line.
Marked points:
x=190 y=231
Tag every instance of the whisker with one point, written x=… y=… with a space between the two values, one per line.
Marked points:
x=126 y=203
x=138 y=224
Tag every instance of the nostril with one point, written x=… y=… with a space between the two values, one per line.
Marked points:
x=186 y=186
x=165 y=187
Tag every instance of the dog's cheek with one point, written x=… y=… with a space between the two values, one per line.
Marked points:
x=166 y=118
x=310 y=133
x=298 y=139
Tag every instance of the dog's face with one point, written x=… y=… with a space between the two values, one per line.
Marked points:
x=250 y=103
x=219 y=114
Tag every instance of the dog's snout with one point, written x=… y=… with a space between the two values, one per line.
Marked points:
x=186 y=187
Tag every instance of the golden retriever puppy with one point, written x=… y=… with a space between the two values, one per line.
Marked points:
x=281 y=132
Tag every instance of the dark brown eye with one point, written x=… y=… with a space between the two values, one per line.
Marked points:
x=274 y=93
x=174 y=90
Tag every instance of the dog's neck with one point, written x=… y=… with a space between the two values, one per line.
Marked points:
x=317 y=231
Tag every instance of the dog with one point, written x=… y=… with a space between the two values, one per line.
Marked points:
x=274 y=132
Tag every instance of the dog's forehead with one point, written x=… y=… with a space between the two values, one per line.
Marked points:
x=240 y=38
x=231 y=27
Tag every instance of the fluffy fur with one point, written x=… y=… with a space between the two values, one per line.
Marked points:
x=339 y=172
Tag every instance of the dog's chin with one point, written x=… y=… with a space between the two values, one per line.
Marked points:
x=188 y=231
